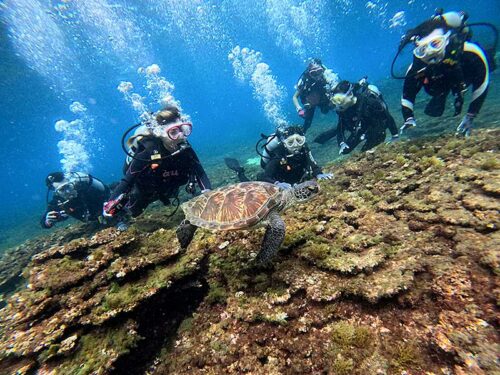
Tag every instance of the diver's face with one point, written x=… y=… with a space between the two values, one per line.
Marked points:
x=316 y=72
x=174 y=134
x=341 y=102
x=432 y=48
x=65 y=189
x=294 y=143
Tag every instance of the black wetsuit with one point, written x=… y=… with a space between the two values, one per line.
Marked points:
x=312 y=93
x=367 y=120
x=292 y=169
x=87 y=206
x=148 y=178
x=449 y=75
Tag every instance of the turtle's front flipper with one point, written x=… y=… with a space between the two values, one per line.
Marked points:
x=273 y=238
x=185 y=233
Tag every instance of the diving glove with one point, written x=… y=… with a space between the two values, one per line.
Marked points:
x=465 y=127
x=283 y=185
x=53 y=217
x=343 y=147
x=324 y=176
x=113 y=206
x=409 y=123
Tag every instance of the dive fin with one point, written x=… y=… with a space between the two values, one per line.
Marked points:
x=233 y=164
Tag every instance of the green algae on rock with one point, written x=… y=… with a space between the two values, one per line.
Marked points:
x=393 y=268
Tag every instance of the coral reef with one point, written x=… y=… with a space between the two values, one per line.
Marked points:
x=393 y=268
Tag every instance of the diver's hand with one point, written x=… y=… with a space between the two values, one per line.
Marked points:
x=465 y=127
x=409 y=123
x=324 y=176
x=301 y=112
x=283 y=185
x=343 y=147
x=393 y=139
x=113 y=206
x=51 y=218
x=205 y=191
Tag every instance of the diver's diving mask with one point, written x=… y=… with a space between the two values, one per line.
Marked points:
x=294 y=142
x=316 y=72
x=66 y=190
x=432 y=49
x=342 y=101
x=174 y=131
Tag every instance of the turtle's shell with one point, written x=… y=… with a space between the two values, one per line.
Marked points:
x=233 y=207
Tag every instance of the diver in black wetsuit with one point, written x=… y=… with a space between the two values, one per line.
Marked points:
x=363 y=116
x=286 y=160
x=445 y=61
x=311 y=88
x=76 y=194
x=160 y=165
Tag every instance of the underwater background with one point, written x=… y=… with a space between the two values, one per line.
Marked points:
x=64 y=60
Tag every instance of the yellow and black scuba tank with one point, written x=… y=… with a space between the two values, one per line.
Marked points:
x=460 y=33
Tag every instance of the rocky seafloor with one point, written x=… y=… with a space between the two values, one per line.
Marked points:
x=393 y=269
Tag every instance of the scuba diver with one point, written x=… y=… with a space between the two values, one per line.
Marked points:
x=362 y=113
x=311 y=88
x=285 y=159
x=76 y=194
x=445 y=60
x=160 y=160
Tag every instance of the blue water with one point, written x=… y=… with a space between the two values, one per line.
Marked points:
x=53 y=53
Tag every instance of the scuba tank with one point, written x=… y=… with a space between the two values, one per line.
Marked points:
x=368 y=88
x=453 y=19
x=132 y=143
x=272 y=142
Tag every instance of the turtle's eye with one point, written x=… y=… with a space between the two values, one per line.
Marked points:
x=312 y=189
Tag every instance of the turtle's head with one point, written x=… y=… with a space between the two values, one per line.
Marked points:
x=305 y=191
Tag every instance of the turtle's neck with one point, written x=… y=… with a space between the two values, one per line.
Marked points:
x=288 y=198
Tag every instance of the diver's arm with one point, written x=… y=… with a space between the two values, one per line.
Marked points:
x=340 y=131
x=295 y=100
x=411 y=88
x=477 y=72
x=134 y=170
x=316 y=170
x=271 y=171
x=201 y=176
x=52 y=206
x=390 y=123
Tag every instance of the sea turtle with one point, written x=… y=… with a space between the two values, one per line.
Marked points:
x=243 y=206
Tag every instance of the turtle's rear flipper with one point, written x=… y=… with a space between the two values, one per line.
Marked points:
x=273 y=238
x=234 y=165
x=325 y=136
x=185 y=233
